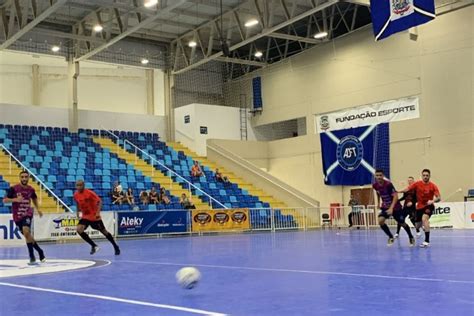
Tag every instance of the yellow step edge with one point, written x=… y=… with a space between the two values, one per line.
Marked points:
x=242 y=184
x=147 y=170
x=47 y=203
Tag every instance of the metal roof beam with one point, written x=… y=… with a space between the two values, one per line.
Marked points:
x=25 y=28
x=266 y=31
x=147 y=21
x=242 y=61
x=294 y=38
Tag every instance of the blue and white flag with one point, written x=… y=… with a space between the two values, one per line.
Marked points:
x=351 y=156
x=393 y=16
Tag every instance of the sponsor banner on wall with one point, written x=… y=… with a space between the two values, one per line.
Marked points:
x=151 y=222
x=448 y=215
x=63 y=226
x=220 y=220
x=9 y=233
x=469 y=214
x=373 y=114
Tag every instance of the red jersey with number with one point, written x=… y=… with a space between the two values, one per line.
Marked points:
x=88 y=203
x=424 y=192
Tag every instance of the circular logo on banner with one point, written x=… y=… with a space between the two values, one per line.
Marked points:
x=350 y=152
x=239 y=217
x=221 y=218
x=202 y=218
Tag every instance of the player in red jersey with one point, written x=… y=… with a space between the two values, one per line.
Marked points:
x=427 y=193
x=21 y=196
x=89 y=204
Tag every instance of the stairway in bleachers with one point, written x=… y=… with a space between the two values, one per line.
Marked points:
x=281 y=210
x=59 y=158
x=9 y=173
x=248 y=187
x=155 y=174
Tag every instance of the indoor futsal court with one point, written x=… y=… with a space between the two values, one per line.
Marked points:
x=237 y=157
x=289 y=273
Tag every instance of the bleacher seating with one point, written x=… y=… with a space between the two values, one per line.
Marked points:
x=59 y=158
x=4 y=186
x=227 y=193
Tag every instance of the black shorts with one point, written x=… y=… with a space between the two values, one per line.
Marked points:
x=24 y=222
x=410 y=211
x=398 y=215
x=97 y=225
x=428 y=210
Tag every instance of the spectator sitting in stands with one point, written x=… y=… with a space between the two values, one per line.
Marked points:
x=163 y=197
x=153 y=196
x=129 y=197
x=196 y=170
x=117 y=196
x=220 y=177
x=117 y=187
x=186 y=202
x=144 y=198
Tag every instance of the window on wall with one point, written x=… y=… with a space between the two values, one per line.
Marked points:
x=281 y=130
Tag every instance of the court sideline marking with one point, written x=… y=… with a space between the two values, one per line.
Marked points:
x=114 y=299
x=361 y=275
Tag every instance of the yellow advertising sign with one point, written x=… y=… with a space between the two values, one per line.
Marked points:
x=220 y=220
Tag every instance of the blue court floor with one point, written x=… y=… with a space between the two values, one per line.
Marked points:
x=326 y=272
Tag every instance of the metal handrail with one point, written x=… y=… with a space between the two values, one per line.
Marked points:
x=125 y=141
x=37 y=180
x=252 y=168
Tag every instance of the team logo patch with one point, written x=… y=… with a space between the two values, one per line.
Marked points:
x=401 y=8
x=16 y=267
x=350 y=152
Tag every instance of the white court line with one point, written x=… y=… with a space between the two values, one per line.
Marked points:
x=361 y=275
x=432 y=236
x=115 y=299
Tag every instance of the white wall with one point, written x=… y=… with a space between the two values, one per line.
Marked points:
x=101 y=87
x=222 y=123
x=355 y=70
x=58 y=117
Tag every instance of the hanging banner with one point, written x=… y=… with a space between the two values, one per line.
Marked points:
x=385 y=112
x=220 y=220
x=351 y=156
x=63 y=226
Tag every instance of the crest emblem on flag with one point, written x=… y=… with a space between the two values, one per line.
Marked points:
x=392 y=16
x=400 y=7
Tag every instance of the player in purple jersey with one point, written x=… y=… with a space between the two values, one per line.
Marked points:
x=21 y=196
x=390 y=206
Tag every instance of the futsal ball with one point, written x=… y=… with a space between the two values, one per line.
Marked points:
x=188 y=277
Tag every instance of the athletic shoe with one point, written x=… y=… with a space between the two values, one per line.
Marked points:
x=395 y=236
x=117 y=251
x=390 y=241
x=412 y=242
x=418 y=234
x=94 y=249
x=425 y=244
x=42 y=257
x=32 y=262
